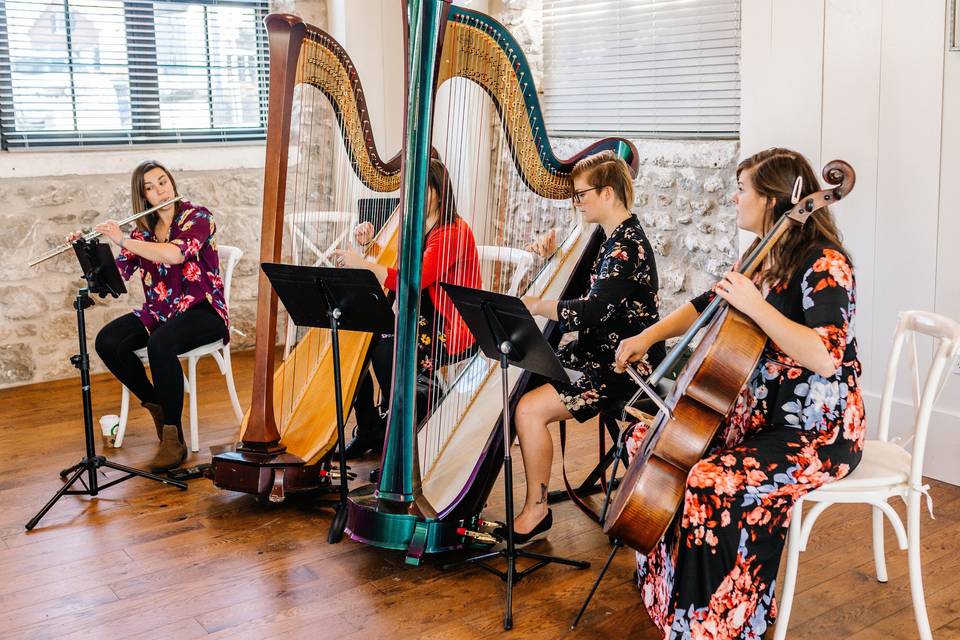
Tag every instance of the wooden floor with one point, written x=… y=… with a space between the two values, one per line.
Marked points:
x=146 y=561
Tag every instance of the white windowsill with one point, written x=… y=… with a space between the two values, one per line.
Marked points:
x=85 y=162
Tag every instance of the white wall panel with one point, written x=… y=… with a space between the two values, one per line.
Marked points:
x=948 y=232
x=908 y=172
x=851 y=90
x=881 y=97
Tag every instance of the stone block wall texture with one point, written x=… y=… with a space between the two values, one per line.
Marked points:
x=683 y=195
x=37 y=319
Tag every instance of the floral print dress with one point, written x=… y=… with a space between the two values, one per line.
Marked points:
x=790 y=431
x=621 y=302
x=171 y=289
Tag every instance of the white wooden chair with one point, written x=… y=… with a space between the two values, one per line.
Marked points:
x=520 y=259
x=229 y=256
x=303 y=228
x=887 y=470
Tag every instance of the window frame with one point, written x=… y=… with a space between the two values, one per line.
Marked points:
x=145 y=107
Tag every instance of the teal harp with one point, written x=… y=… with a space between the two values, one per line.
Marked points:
x=426 y=491
x=436 y=473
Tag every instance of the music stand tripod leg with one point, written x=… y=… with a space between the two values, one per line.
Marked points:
x=510 y=553
x=340 y=518
x=91 y=462
x=603 y=517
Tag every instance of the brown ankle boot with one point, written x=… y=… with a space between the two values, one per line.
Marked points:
x=156 y=411
x=172 y=450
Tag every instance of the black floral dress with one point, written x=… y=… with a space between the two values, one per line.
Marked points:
x=790 y=431
x=621 y=302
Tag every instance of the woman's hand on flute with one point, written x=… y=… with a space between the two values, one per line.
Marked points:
x=110 y=229
x=74 y=236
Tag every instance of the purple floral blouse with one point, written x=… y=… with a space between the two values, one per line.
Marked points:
x=171 y=289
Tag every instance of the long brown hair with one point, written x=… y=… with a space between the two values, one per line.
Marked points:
x=438 y=179
x=606 y=169
x=774 y=173
x=139 y=197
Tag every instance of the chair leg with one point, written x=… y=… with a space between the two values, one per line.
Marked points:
x=192 y=378
x=879 y=560
x=124 y=414
x=231 y=387
x=913 y=561
x=785 y=600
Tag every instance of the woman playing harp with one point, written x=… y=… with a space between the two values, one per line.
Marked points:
x=622 y=300
x=449 y=255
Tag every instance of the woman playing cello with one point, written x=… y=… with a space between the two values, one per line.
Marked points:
x=797 y=423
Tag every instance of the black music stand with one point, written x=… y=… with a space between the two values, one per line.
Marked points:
x=103 y=278
x=332 y=298
x=506 y=332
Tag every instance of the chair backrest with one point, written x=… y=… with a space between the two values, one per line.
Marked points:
x=946 y=336
x=520 y=259
x=305 y=225
x=229 y=257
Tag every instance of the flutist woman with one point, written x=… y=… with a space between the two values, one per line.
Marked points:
x=184 y=308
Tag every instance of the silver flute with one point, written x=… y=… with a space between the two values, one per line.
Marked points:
x=95 y=234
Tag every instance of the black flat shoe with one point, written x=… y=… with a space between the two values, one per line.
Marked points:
x=523 y=538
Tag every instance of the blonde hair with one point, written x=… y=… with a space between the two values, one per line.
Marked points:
x=606 y=169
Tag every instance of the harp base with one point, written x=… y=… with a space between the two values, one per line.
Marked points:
x=268 y=475
x=368 y=523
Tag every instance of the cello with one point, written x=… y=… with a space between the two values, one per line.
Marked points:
x=706 y=389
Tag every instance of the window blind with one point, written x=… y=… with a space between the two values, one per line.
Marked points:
x=94 y=72
x=642 y=67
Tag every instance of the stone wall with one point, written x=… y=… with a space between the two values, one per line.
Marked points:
x=682 y=197
x=37 y=320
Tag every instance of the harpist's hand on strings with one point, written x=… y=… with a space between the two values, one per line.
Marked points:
x=349 y=259
x=630 y=350
x=740 y=292
x=363 y=233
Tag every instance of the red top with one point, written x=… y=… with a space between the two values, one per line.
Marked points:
x=450 y=256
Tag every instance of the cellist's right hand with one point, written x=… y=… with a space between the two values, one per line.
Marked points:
x=630 y=350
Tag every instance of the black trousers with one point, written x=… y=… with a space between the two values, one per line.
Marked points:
x=369 y=414
x=117 y=341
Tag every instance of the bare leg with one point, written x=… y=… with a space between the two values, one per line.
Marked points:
x=536 y=410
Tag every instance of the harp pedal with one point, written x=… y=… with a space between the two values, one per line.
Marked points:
x=334 y=474
x=480 y=531
x=487 y=526
x=276 y=492
x=478 y=537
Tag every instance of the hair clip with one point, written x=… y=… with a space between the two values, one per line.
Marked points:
x=797 y=187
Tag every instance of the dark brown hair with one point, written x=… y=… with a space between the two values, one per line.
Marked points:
x=774 y=173
x=606 y=169
x=438 y=179
x=138 y=194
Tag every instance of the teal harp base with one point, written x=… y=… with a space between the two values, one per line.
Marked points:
x=408 y=532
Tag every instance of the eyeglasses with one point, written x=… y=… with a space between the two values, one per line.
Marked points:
x=577 y=196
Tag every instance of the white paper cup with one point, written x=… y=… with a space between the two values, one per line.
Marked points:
x=108 y=428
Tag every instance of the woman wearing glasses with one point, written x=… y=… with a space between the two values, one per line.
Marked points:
x=622 y=300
